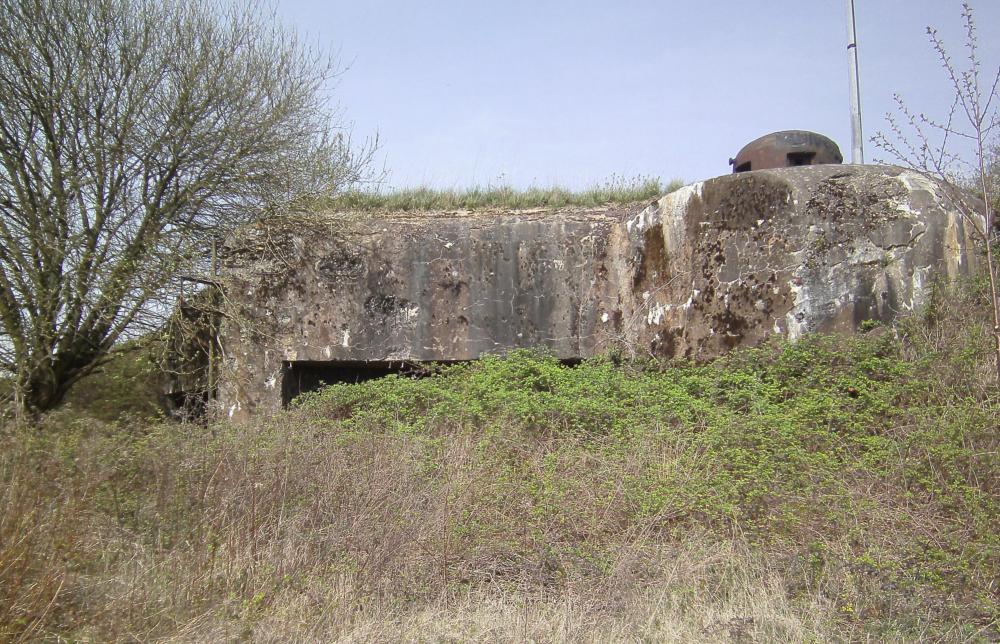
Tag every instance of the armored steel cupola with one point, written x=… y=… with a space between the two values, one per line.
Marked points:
x=786 y=149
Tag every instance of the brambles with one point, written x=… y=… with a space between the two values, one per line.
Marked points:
x=753 y=495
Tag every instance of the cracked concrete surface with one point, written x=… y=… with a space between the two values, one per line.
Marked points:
x=715 y=265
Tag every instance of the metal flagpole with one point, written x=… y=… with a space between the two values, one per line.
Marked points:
x=857 y=139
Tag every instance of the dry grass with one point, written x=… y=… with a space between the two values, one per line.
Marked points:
x=320 y=537
x=614 y=191
x=699 y=594
x=533 y=510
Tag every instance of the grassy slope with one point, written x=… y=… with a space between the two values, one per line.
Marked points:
x=831 y=489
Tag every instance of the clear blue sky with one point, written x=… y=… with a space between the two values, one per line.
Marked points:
x=572 y=93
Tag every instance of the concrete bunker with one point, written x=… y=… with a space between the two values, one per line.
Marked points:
x=715 y=265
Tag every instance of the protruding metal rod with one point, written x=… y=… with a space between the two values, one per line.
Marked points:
x=857 y=138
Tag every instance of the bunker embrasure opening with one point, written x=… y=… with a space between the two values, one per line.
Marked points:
x=299 y=377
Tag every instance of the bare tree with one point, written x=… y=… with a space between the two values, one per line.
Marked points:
x=929 y=146
x=131 y=133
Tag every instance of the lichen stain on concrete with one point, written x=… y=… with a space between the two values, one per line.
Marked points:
x=715 y=265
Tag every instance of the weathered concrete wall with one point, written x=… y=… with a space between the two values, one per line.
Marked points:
x=715 y=265
x=788 y=251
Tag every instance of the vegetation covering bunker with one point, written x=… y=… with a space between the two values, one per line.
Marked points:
x=712 y=266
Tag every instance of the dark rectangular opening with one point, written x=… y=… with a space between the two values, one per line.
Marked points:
x=800 y=158
x=301 y=377
x=743 y=167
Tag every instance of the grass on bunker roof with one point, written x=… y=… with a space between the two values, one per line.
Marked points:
x=616 y=191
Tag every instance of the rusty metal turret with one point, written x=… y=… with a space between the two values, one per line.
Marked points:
x=786 y=149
